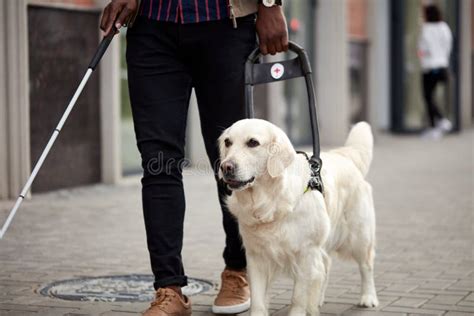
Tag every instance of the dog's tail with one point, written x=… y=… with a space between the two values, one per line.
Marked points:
x=361 y=141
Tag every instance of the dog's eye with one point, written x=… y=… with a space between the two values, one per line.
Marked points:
x=252 y=143
x=227 y=142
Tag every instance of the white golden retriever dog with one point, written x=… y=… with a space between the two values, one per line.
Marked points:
x=287 y=229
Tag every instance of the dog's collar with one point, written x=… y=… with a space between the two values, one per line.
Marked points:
x=315 y=182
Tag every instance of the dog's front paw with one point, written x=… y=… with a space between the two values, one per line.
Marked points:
x=313 y=311
x=297 y=311
x=258 y=312
x=321 y=301
x=369 y=300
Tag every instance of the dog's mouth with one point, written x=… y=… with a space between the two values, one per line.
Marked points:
x=236 y=184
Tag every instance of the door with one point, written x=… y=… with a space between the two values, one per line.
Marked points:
x=408 y=112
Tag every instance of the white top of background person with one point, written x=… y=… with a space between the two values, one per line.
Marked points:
x=435 y=42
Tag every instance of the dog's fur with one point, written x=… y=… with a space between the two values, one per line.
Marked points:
x=284 y=229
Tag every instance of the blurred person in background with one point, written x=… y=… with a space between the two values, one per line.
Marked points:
x=434 y=50
x=172 y=47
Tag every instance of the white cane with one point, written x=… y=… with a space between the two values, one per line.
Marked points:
x=104 y=44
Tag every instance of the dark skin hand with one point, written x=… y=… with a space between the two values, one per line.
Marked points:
x=118 y=13
x=272 y=30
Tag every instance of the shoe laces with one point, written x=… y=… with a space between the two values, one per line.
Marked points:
x=232 y=281
x=163 y=297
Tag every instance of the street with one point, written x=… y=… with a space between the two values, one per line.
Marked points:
x=423 y=194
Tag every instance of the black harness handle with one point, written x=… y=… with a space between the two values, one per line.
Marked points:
x=258 y=73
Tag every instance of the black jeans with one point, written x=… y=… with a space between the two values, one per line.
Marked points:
x=430 y=80
x=165 y=61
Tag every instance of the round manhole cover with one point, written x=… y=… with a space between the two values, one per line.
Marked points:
x=120 y=288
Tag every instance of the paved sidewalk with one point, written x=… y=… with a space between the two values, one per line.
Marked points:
x=424 y=204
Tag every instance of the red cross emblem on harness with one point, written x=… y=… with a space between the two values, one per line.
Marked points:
x=277 y=71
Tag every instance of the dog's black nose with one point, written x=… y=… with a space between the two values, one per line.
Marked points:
x=228 y=168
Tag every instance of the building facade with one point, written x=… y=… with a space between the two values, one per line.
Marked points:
x=364 y=67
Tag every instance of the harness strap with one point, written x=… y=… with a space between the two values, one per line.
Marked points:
x=315 y=182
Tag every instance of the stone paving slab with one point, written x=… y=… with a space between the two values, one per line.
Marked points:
x=424 y=203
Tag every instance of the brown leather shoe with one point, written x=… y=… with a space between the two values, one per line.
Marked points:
x=234 y=295
x=168 y=302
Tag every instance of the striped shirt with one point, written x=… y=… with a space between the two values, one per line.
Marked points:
x=185 y=11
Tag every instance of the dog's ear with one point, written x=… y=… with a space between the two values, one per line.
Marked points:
x=281 y=154
x=220 y=144
x=221 y=148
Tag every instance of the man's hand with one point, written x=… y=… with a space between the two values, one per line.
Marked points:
x=118 y=12
x=272 y=30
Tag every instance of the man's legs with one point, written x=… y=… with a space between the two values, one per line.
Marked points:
x=218 y=75
x=160 y=87
x=217 y=65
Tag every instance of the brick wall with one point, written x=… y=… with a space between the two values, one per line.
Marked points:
x=357 y=18
x=78 y=3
